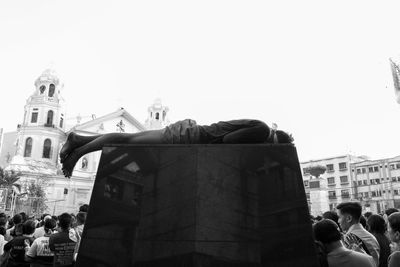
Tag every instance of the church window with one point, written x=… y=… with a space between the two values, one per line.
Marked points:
x=28 y=147
x=34 y=117
x=61 y=122
x=164 y=114
x=157 y=116
x=42 y=89
x=84 y=163
x=49 y=121
x=46 y=148
x=51 y=90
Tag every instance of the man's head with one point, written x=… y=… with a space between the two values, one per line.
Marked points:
x=390 y=211
x=81 y=218
x=17 y=219
x=49 y=225
x=65 y=221
x=394 y=227
x=326 y=231
x=84 y=208
x=349 y=214
x=29 y=227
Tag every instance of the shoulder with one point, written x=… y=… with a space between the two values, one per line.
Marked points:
x=394 y=259
x=363 y=259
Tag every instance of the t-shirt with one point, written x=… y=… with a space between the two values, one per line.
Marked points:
x=17 y=251
x=63 y=245
x=394 y=259
x=40 y=252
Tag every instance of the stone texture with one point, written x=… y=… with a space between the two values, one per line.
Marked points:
x=198 y=205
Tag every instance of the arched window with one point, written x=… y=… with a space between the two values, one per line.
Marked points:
x=46 y=148
x=42 y=89
x=49 y=121
x=52 y=88
x=61 y=122
x=28 y=147
x=157 y=116
x=84 y=163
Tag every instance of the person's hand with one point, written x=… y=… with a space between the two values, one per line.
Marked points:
x=353 y=242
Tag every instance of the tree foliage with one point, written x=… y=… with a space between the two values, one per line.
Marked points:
x=316 y=170
x=9 y=179
x=36 y=192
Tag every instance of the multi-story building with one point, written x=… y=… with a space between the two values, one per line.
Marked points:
x=377 y=183
x=33 y=149
x=333 y=186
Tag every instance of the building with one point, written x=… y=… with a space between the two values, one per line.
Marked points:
x=377 y=183
x=332 y=187
x=33 y=149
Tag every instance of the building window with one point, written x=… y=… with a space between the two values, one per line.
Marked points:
x=46 y=148
x=392 y=166
x=376 y=169
x=52 y=88
x=305 y=171
x=373 y=194
x=308 y=195
x=360 y=182
x=42 y=89
x=345 y=194
x=396 y=192
x=378 y=181
x=331 y=180
x=394 y=179
x=61 y=122
x=34 y=117
x=372 y=181
x=366 y=195
x=49 y=121
x=365 y=182
x=342 y=166
x=398 y=178
x=314 y=184
x=363 y=170
x=358 y=171
x=329 y=168
x=370 y=169
x=332 y=194
x=306 y=183
x=344 y=179
x=157 y=116
x=28 y=147
x=84 y=163
x=397 y=165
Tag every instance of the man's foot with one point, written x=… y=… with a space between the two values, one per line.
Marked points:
x=69 y=146
x=69 y=164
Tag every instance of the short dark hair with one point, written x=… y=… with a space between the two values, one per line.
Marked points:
x=284 y=137
x=81 y=217
x=394 y=221
x=84 y=208
x=331 y=215
x=49 y=224
x=326 y=231
x=17 y=218
x=352 y=208
x=376 y=224
x=29 y=227
x=367 y=214
x=390 y=211
x=65 y=220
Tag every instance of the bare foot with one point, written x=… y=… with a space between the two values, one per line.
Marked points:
x=69 y=164
x=68 y=147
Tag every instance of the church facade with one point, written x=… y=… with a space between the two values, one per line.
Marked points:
x=33 y=149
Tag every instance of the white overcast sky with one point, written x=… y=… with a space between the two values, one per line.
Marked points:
x=319 y=69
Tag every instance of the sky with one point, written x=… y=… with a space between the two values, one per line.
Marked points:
x=318 y=69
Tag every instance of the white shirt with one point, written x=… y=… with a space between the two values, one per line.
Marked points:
x=343 y=257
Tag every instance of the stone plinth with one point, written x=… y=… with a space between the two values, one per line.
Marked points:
x=198 y=205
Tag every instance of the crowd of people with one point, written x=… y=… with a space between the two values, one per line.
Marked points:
x=346 y=237
x=37 y=242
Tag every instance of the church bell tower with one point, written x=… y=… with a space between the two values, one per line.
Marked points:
x=157 y=116
x=42 y=129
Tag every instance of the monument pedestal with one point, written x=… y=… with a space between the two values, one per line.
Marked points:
x=198 y=205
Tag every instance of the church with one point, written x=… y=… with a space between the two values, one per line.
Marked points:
x=33 y=148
